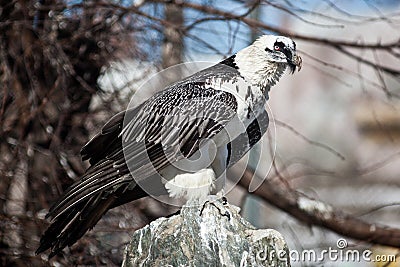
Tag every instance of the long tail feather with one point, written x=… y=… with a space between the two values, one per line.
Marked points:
x=72 y=222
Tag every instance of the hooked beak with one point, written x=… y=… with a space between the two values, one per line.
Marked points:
x=296 y=61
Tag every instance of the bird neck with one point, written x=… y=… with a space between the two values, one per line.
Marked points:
x=255 y=67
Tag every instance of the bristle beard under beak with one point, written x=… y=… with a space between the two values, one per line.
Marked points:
x=292 y=67
x=295 y=62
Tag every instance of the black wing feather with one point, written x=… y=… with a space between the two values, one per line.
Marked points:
x=108 y=182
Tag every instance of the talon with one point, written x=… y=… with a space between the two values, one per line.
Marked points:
x=204 y=205
x=227 y=215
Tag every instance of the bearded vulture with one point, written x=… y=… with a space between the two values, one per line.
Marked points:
x=217 y=114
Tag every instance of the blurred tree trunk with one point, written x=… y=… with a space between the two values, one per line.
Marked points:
x=172 y=49
x=256 y=15
x=50 y=64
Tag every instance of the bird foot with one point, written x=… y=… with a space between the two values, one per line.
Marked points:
x=224 y=201
x=220 y=205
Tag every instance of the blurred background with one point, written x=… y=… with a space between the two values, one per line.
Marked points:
x=330 y=162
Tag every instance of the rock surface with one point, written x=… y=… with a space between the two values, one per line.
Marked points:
x=215 y=236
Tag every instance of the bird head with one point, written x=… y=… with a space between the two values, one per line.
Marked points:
x=264 y=61
x=279 y=49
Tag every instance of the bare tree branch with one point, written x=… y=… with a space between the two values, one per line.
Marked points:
x=254 y=23
x=314 y=143
x=317 y=213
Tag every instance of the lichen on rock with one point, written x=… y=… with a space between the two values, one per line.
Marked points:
x=213 y=235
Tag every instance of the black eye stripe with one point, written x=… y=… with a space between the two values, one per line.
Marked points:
x=268 y=50
x=280 y=45
x=284 y=49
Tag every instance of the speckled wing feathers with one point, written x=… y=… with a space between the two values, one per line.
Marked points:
x=182 y=115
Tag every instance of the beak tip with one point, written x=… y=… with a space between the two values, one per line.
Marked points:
x=295 y=62
x=298 y=61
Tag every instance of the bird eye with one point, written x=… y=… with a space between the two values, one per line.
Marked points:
x=277 y=48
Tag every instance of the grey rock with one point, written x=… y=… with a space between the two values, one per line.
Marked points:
x=217 y=236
